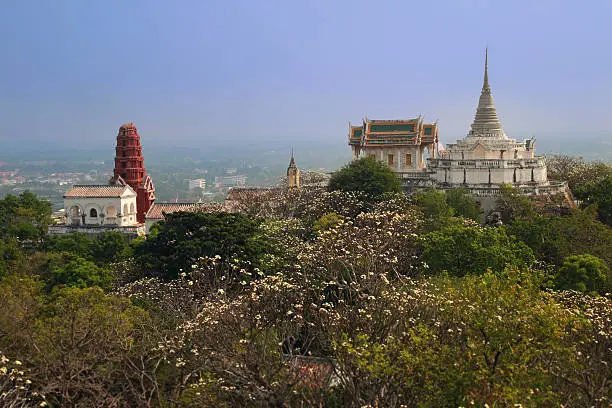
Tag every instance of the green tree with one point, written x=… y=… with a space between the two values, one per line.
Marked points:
x=439 y=206
x=184 y=237
x=513 y=205
x=598 y=193
x=10 y=255
x=76 y=344
x=462 y=250
x=555 y=238
x=111 y=247
x=462 y=203
x=584 y=273
x=366 y=175
x=327 y=221
x=80 y=273
x=77 y=243
x=24 y=217
x=433 y=203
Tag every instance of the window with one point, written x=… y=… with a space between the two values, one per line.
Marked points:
x=390 y=159
x=125 y=209
x=132 y=208
x=408 y=159
x=93 y=213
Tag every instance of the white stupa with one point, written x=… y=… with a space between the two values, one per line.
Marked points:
x=487 y=157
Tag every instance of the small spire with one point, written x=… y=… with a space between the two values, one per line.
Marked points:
x=292 y=161
x=485 y=84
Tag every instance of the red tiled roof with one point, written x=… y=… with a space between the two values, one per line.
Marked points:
x=157 y=210
x=96 y=191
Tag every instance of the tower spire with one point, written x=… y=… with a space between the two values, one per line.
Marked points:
x=485 y=84
x=293 y=173
x=292 y=161
x=486 y=123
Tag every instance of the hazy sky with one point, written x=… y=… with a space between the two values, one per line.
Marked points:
x=188 y=72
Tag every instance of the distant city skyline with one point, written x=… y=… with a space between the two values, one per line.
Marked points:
x=193 y=73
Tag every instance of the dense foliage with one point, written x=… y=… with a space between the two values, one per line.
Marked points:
x=366 y=175
x=310 y=297
x=184 y=237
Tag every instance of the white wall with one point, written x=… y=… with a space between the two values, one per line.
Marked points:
x=101 y=205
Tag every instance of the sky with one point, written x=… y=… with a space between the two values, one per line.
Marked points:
x=283 y=72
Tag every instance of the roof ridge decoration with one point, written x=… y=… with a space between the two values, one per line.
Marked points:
x=97 y=185
x=486 y=122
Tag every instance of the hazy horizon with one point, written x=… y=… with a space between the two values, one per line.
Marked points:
x=282 y=74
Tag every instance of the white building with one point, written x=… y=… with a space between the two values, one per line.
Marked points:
x=197 y=183
x=98 y=208
x=229 y=181
x=487 y=158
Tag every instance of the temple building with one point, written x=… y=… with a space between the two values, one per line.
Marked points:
x=399 y=143
x=293 y=173
x=481 y=162
x=487 y=157
x=129 y=169
x=92 y=209
x=120 y=205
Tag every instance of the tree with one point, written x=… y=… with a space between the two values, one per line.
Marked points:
x=184 y=237
x=434 y=205
x=78 y=344
x=24 y=217
x=513 y=205
x=598 y=193
x=463 y=204
x=10 y=255
x=80 y=273
x=576 y=171
x=440 y=205
x=555 y=238
x=584 y=273
x=76 y=243
x=463 y=250
x=111 y=247
x=366 y=175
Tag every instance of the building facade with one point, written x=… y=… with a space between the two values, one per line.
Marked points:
x=401 y=144
x=481 y=162
x=93 y=209
x=197 y=183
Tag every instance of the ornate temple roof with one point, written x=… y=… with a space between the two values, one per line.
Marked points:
x=393 y=132
x=486 y=122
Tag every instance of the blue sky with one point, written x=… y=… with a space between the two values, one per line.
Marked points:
x=189 y=73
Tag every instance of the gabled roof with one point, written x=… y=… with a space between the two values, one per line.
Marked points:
x=157 y=210
x=98 y=191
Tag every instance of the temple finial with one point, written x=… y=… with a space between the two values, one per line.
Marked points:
x=485 y=85
x=292 y=161
x=486 y=123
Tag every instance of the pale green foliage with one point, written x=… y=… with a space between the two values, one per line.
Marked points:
x=472 y=249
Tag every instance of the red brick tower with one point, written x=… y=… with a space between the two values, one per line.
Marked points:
x=129 y=169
